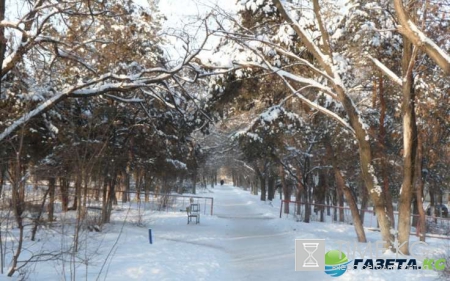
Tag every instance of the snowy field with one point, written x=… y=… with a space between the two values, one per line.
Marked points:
x=244 y=240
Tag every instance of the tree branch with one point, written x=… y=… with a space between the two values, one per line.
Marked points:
x=409 y=29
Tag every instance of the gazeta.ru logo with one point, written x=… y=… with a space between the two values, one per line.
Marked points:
x=310 y=256
x=336 y=263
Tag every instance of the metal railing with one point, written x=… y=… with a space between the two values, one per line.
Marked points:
x=173 y=202
x=436 y=227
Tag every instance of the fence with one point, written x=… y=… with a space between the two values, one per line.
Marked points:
x=436 y=227
x=156 y=201
x=173 y=202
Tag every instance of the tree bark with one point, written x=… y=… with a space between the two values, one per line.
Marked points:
x=364 y=201
x=300 y=189
x=340 y=201
x=320 y=192
x=194 y=182
x=262 y=182
x=271 y=188
x=37 y=221
x=4 y=168
x=105 y=199
x=286 y=191
x=340 y=182
x=110 y=198
x=51 y=203
x=77 y=197
x=127 y=183
x=3 y=40
x=382 y=147
x=147 y=186
x=306 y=193
x=409 y=147
x=64 y=189
x=139 y=179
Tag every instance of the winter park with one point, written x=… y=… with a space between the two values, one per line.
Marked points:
x=224 y=140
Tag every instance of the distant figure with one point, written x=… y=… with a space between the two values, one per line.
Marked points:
x=221 y=182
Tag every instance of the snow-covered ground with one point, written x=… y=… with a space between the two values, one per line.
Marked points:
x=244 y=240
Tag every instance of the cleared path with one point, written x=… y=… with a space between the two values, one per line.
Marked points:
x=256 y=248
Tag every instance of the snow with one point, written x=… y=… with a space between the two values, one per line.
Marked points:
x=428 y=41
x=244 y=240
x=376 y=187
x=177 y=164
x=387 y=71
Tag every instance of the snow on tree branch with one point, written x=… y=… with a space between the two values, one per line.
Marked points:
x=386 y=71
x=409 y=29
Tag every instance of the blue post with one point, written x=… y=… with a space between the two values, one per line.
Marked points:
x=150 y=236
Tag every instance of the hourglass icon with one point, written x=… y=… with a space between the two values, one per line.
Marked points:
x=310 y=260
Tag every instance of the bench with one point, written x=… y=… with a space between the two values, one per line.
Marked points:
x=193 y=211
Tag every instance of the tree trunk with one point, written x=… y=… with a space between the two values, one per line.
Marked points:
x=77 y=197
x=79 y=209
x=194 y=182
x=262 y=182
x=127 y=183
x=409 y=148
x=286 y=191
x=37 y=221
x=147 y=186
x=382 y=147
x=18 y=249
x=3 y=41
x=328 y=203
x=271 y=188
x=97 y=192
x=300 y=189
x=51 y=193
x=320 y=192
x=64 y=188
x=139 y=181
x=335 y=203
x=340 y=200
x=364 y=201
x=2 y=175
x=307 y=190
x=85 y=196
x=351 y=201
x=105 y=200
x=111 y=197
x=255 y=185
x=307 y=205
x=420 y=182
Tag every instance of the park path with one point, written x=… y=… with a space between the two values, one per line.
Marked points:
x=257 y=250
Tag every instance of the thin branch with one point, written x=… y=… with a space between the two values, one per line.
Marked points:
x=386 y=71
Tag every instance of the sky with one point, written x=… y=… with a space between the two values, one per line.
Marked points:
x=185 y=16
